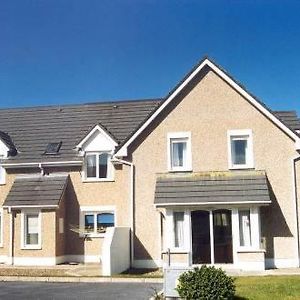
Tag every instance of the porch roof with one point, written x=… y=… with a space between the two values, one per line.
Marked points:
x=232 y=187
x=37 y=191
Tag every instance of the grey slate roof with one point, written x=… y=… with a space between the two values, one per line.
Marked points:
x=32 y=129
x=212 y=187
x=37 y=191
x=289 y=118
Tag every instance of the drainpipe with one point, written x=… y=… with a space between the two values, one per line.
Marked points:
x=125 y=162
x=297 y=158
x=11 y=236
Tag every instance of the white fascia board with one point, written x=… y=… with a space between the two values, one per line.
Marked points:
x=29 y=206
x=123 y=150
x=211 y=203
x=102 y=131
x=42 y=164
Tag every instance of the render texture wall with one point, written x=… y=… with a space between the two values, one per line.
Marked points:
x=208 y=110
x=78 y=193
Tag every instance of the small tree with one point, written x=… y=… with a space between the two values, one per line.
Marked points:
x=205 y=283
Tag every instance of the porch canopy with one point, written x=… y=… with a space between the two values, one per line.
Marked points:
x=212 y=188
x=36 y=191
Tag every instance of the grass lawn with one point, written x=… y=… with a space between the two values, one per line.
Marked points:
x=268 y=287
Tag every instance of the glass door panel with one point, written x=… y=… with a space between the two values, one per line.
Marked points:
x=222 y=236
x=200 y=237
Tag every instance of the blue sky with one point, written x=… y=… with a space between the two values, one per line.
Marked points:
x=71 y=51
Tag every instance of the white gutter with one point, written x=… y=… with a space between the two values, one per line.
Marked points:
x=295 y=195
x=210 y=203
x=9 y=207
x=131 y=203
x=42 y=164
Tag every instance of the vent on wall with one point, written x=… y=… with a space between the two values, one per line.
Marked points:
x=52 y=148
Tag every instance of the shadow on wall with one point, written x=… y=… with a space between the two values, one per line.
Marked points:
x=74 y=244
x=140 y=252
x=273 y=223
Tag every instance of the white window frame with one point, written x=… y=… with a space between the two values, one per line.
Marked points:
x=254 y=230
x=180 y=135
x=245 y=134
x=94 y=210
x=25 y=246
x=1 y=229
x=2 y=175
x=110 y=168
x=170 y=236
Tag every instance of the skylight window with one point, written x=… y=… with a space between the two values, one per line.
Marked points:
x=52 y=148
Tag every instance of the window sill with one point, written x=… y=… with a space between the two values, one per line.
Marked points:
x=92 y=235
x=31 y=248
x=176 y=251
x=241 y=167
x=250 y=250
x=98 y=180
x=180 y=170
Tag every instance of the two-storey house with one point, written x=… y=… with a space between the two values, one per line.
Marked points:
x=206 y=175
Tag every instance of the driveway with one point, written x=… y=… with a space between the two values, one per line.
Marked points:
x=105 y=291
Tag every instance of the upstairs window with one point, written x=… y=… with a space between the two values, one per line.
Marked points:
x=98 y=166
x=179 y=151
x=240 y=149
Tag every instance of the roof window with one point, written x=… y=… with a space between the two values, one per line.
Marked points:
x=52 y=148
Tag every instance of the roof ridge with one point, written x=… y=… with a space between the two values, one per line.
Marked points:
x=105 y=102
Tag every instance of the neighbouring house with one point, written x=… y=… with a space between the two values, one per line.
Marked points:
x=206 y=175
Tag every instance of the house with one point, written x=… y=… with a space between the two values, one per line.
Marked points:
x=207 y=175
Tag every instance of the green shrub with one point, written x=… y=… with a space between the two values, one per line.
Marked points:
x=205 y=283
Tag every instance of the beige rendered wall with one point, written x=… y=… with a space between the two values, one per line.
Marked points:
x=208 y=110
x=4 y=189
x=78 y=193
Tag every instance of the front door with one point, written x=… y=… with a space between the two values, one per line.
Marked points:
x=220 y=222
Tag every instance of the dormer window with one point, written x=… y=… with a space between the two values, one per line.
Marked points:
x=98 y=166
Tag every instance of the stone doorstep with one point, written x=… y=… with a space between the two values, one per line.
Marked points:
x=81 y=279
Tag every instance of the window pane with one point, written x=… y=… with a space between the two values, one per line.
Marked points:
x=103 y=160
x=178 y=154
x=239 y=152
x=245 y=228
x=91 y=166
x=32 y=229
x=105 y=220
x=89 y=223
x=178 y=229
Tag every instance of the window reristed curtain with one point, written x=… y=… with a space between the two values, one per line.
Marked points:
x=103 y=165
x=32 y=229
x=179 y=154
x=245 y=228
x=91 y=166
x=179 y=229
